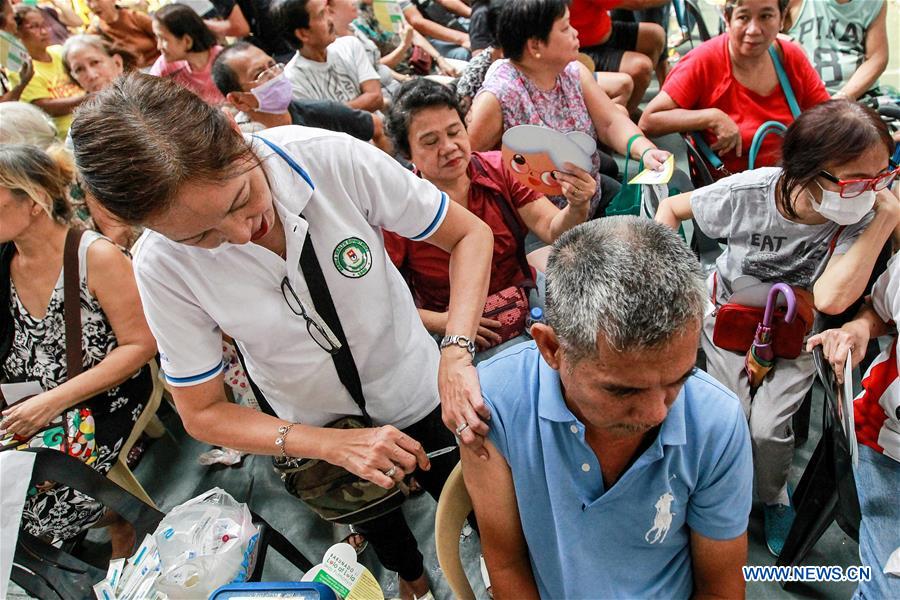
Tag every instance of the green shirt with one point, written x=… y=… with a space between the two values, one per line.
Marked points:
x=834 y=36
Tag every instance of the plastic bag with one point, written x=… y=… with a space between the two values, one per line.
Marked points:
x=205 y=543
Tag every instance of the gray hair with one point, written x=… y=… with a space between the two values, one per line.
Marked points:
x=24 y=123
x=629 y=279
x=84 y=39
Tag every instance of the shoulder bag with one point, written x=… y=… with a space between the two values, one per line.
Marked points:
x=735 y=326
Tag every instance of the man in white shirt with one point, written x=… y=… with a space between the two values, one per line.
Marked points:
x=326 y=68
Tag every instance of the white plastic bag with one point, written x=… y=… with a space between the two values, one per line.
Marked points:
x=205 y=543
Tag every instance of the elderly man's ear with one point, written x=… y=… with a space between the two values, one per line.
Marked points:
x=547 y=343
x=243 y=101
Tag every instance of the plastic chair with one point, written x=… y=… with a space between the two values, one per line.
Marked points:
x=120 y=473
x=452 y=510
x=688 y=15
x=827 y=489
x=51 y=573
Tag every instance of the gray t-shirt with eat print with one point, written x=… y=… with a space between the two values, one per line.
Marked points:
x=761 y=242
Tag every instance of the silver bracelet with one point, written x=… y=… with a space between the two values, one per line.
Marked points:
x=282 y=436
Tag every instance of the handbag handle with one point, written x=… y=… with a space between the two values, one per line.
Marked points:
x=72 y=304
x=512 y=223
x=784 y=81
x=767 y=128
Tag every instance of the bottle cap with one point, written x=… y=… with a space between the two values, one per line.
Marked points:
x=537 y=313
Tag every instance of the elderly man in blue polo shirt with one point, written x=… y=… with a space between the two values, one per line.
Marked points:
x=615 y=469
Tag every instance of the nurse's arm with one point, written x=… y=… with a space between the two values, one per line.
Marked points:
x=470 y=243
x=490 y=486
x=674 y=209
x=208 y=416
x=717 y=566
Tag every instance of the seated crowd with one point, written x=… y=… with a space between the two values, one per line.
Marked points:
x=172 y=138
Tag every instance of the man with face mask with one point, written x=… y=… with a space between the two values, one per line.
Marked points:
x=254 y=84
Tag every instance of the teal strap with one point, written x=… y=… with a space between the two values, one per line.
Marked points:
x=711 y=157
x=628 y=144
x=764 y=130
x=785 y=82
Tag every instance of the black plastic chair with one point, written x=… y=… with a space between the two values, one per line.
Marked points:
x=827 y=489
x=700 y=173
x=51 y=573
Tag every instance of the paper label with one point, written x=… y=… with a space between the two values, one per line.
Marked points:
x=13 y=392
x=341 y=571
x=388 y=14
x=651 y=177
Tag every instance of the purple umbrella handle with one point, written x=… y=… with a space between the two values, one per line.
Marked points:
x=772 y=300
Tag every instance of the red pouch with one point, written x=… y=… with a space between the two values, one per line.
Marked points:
x=509 y=306
x=736 y=324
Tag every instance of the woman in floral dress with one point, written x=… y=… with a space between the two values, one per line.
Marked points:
x=116 y=342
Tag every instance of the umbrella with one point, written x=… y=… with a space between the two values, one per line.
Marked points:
x=761 y=356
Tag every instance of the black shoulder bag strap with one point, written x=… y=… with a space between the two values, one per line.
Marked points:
x=514 y=225
x=324 y=305
x=72 y=304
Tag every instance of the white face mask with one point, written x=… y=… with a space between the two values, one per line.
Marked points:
x=843 y=211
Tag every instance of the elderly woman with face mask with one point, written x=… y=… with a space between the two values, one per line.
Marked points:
x=818 y=223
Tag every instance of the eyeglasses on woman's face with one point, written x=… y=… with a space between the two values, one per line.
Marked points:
x=851 y=188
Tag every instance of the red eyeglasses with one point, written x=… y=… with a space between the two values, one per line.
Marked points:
x=851 y=188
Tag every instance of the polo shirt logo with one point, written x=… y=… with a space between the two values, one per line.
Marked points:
x=662 y=521
x=352 y=258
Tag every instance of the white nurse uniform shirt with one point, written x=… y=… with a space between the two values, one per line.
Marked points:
x=347 y=192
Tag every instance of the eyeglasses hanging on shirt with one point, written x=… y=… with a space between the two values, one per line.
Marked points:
x=320 y=334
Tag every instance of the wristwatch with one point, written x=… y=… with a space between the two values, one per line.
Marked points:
x=459 y=340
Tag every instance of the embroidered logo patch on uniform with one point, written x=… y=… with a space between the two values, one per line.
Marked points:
x=352 y=258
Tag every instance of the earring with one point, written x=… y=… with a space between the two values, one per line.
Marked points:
x=537 y=54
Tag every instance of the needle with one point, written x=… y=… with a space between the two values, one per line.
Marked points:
x=441 y=452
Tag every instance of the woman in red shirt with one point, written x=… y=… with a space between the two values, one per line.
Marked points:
x=727 y=87
x=425 y=124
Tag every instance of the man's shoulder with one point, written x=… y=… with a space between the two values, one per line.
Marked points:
x=709 y=405
x=347 y=44
x=511 y=376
